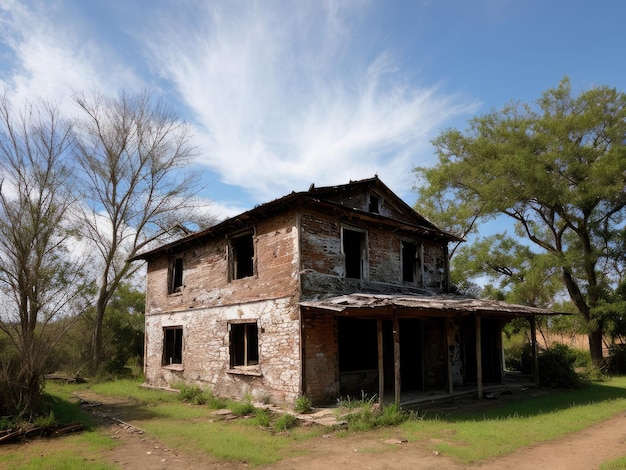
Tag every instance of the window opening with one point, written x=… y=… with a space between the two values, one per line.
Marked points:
x=353 y=245
x=176 y=276
x=172 y=346
x=244 y=344
x=409 y=261
x=374 y=204
x=242 y=249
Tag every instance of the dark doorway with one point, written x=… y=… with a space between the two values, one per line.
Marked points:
x=411 y=370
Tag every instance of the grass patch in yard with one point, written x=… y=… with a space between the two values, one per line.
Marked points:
x=71 y=452
x=617 y=464
x=230 y=440
x=471 y=437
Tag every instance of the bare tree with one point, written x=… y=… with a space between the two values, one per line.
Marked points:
x=132 y=150
x=41 y=286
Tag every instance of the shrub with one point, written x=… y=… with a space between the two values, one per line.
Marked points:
x=303 y=405
x=285 y=422
x=518 y=354
x=556 y=367
x=263 y=417
x=191 y=393
x=617 y=359
x=369 y=415
x=242 y=408
x=46 y=421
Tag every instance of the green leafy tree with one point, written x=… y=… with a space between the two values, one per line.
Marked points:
x=558 y=170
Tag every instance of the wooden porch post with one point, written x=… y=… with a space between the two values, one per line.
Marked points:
x=396 y=358
x=449 y=353
x=381 y=372
x=533 y=344
x=479 y=359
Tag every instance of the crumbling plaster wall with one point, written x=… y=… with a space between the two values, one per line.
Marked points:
x=206 y=359
x=323 y=262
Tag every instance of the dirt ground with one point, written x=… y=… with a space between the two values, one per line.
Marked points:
x=586 y=449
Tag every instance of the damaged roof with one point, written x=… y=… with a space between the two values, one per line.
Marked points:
x=322 y=199
x=445 y=304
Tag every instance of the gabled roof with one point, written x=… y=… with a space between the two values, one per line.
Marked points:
x=324 y=199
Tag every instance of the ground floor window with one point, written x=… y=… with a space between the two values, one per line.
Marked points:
x=244 y=344
x=172 y=345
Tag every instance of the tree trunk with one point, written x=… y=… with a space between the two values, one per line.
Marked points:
x=96 y=338
x=595 y=347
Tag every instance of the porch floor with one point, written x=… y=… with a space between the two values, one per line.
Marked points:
x=513 y=382
x=461 y=399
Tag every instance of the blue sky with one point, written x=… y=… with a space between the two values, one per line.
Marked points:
x=284 y=93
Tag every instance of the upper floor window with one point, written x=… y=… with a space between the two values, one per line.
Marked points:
x=175 y=283
x=374 y=206
x=354 y=249
x=411 y=265
x=241 y=263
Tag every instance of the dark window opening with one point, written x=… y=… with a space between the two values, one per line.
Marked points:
x=409 y=261
x=353 y=250
x=176 y=276
x=172 y=346
x=243 y=256
x=244 y=344
x=374 y=204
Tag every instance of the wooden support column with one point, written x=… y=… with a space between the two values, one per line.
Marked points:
x=479 y=359
x=450 y=351
x=381 y=371
x=396 y=359
x=533 y=348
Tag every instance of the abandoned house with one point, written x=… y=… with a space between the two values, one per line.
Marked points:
x=329 y=292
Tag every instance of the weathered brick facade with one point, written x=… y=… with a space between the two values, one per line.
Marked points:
x=249 y=335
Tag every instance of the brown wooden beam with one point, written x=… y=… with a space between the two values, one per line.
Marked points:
x=381 y=371
x=396 y=359
x=479 y=359
x=533 y=345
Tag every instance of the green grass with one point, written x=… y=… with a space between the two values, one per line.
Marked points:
x=473 y=437
x=73 y=452
x=192 y=429
x=617 y=464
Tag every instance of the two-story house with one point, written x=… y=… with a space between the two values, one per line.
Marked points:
x=323 y=293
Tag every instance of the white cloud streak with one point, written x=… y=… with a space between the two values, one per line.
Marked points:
x=54 y=54
x=285 y=96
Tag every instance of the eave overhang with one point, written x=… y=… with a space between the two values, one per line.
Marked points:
x=447 y=305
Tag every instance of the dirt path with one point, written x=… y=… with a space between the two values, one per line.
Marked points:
x=586 y=449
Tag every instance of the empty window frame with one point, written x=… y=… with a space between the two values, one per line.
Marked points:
x=172 y=345
x=411 y=262
x=354 y=249
x=244 y=345
x=176 y=276
x=242 y=256
x=374 y=206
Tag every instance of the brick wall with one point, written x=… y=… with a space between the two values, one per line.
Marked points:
x=205 y=268
x=321 y=364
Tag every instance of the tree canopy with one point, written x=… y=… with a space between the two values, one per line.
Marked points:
x=557 y=168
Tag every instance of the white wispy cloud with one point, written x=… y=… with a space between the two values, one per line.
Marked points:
x=53 y=53
x=285 y=94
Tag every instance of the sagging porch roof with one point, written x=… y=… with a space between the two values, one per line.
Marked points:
x=422 y=305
